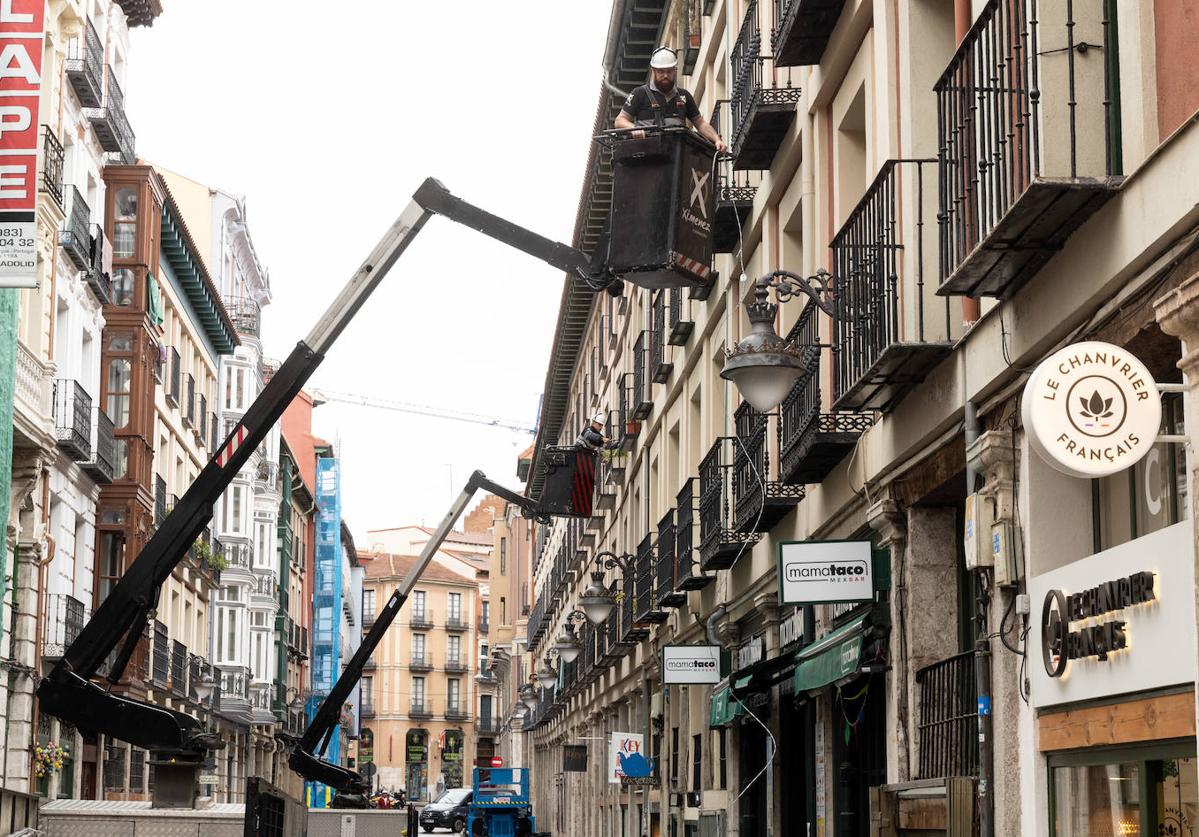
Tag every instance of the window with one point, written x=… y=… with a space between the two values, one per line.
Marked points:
x=503 y=611
x=367 y=684
x=722 y=741
x=674 y=756
x=486 y=612
x=697 y=762
x=1150 y=495
x=418 y=604
x=112 y=560
x=262 y=544
x=456 y=607
x=122 y=288
x=119 y=380
x=418 y=647
x=368 y=604
x=503 y=556
x=124 y=235
x=258 y=619
x=483 y=651
x=232 y=593
x=453 y=690
x=418 y=691
x=454 y=649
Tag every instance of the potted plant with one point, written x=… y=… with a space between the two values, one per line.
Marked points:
x=48 y=758
x=207 y=558
x=632 y=427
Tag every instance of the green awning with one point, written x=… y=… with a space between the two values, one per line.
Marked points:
x=154 y=306
x=724 y=709
x=831 y=658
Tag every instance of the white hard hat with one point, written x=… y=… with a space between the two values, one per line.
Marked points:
x=598 y=418
x=664 y=58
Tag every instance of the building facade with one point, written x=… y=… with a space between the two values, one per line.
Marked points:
x=421 y=679
x=912 y=151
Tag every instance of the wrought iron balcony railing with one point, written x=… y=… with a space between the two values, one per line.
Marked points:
x=246 y=315
x=679 y=318
x=812 y=442
x=764 y=98
x=735 y=192
x=660 y=367
x=75 y=237
x=53 y=157
x=758 y=501
x=95 y=275
x=189 y=401
x=421 y=619
x=630 y=631
x=174 y=378
x=85 y=67
x=368 y=709
x=179 y=658
x=161 y=659
x=202 y=419
x=646 y=609
x=802 y=29
x=198 y=667
x=948 y=724
x=455 y=664
x=160 y=500
x=65 y=618
x=487 y=726
x=111 y=124
x=641 y=402
x=687 y=572
x=669 y=594
x=1029 y=140
x=73 y=419
x=455 y=623
x=420 y=709
x=720 y=544
x=883 y=344
x=456 y=712
x=100 y=466
x=420 y=662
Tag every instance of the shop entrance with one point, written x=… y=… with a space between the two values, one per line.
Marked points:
x=859 y=733
x=417 y=758
x=796 y=754
x=1147 y=790
x=754 y=805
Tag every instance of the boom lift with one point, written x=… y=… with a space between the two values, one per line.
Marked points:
x=178 y=743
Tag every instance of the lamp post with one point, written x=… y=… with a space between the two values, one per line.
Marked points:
x=547 y=675
x=597 y=601
x=568 y=645
x=763 y=365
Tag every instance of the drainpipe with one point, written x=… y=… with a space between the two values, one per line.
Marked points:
x=963 y=17
x=982 y=656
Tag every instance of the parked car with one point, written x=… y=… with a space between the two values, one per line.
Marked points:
x=447 y=811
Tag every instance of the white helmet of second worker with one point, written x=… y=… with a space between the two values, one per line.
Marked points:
x=663 y=58
x=598 y=418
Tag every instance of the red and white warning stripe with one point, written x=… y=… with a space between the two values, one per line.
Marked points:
x=691 y=265
x=239 y=436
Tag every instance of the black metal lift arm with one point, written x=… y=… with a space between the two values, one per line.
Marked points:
x=304 y=758
x=116 y=626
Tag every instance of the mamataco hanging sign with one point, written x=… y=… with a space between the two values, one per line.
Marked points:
x=1091 y=410
x=22 y=27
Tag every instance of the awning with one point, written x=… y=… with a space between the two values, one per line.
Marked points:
x=831 y=658
x=724 y=709
x=763 y=674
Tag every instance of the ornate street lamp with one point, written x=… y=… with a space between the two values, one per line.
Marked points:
x=547 y=675
x=528 y=696
x=568 y=645
x=597 y=601
x=764 y=366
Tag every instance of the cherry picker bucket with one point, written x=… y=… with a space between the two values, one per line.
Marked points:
x=569 y=486
x=663 y=203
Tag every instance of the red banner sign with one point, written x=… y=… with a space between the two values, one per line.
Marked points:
x=22 y=28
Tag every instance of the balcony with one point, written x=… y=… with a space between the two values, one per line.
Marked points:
x=53 y=158
x=421 y=619
x=640 y=401
x=948 y=723
x=179 y=659
x=687 y=573
x=735 y=192
x=189 y=401
x=647 y=608
x=669 y=594
x=630 y=631
x=882 y=341
x=484 y=626
x=85 y=67
x=660 y=367
x=100 y=466
x=73 y=419
x=420 y=709
x=75 y=238
x=111 y=125
x=720 y=543
x=1028 y=141
x=420 y=662
x=764 y=99
x=456 y=712
x=681 y=324
x=811 y=442
x=758 y=501
x=802 y=29
x=174 y=382
x=198 y=667
x=455 y=664
x=246 y=315
x=367 y=709
x=456 y=624
x=140 y=12
x=95 y=275
x=368 y=618
x=160 y=655
x=65 y=618
x=487 y=726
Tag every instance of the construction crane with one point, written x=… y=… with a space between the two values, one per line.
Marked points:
x=320 y=396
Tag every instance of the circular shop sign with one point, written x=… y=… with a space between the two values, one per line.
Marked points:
x=1091 y=409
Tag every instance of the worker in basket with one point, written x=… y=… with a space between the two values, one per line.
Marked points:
x=592 y=439
x=662 y=104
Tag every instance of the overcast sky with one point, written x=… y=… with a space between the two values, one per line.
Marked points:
x=327 y=117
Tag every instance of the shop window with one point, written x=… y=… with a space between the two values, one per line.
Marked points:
x=1147 y=497
x=1141 y=791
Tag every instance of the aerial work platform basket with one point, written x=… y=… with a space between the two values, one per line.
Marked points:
x=569 y=482
x=663 y=205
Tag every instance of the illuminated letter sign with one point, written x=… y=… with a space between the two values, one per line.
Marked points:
x=22 y=25
x=1096 y=637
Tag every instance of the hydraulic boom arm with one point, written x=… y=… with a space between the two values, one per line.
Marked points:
x=110 y=637
x=304 y=759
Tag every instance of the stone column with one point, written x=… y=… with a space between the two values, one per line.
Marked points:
x=1178 y=315
x=886 y=518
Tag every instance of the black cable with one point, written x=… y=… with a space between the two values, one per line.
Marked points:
x=1003 y=628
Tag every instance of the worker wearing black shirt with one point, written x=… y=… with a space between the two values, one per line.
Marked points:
x=661 y=103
